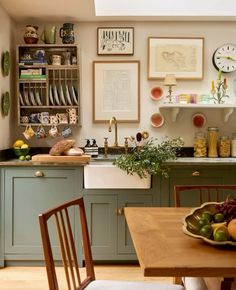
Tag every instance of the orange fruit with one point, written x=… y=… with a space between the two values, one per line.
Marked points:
x=232 y=228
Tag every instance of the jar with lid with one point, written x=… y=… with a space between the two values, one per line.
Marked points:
x=233 y=145
x=212 y=141
x=224 y=146
x=200 y=145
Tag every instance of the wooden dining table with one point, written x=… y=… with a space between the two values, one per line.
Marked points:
x=164 y=250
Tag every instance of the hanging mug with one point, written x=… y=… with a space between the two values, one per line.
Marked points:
x=53 y=132
x=40 y=133
x=28 y=133
x=67 y=33
x=66 y=132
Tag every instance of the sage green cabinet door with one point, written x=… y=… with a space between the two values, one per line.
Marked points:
x=1 y=220
x=192 y=175
x=27 y=195
x=102 y=224
x=125 y=244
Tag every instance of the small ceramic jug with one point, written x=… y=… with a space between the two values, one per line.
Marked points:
x=67 y=33
x=49 y=34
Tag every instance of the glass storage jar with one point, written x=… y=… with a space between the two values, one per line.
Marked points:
x=233 y=145
x=212 y=141
x=224 y=146
x=200 y=145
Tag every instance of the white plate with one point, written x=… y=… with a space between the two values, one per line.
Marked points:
x=55 y=94
x=51 y=96
x=68 y=95
x=61 y=94
x=32 y=99
x=26 y=96
x=37 y=96
x=74 y=95
x=21 y=100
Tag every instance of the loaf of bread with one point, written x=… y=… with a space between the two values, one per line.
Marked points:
x=74 y=151
x=61 y=146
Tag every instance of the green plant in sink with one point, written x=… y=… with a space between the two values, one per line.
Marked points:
x=150 y=158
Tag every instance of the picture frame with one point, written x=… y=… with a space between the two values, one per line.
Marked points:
x=116 y=91
x=115 y=40
x=181 y=56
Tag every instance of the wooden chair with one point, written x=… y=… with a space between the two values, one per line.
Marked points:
x=62 y=216
x=206 y=193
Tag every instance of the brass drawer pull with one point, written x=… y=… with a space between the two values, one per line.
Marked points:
x=39 y=174
x=196 y=173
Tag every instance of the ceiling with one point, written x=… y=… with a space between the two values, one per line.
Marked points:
x=83 y=10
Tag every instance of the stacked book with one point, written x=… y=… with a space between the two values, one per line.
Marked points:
x=32 y=74
x=33 y=61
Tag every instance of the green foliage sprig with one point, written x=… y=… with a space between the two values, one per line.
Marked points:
x=150 y=158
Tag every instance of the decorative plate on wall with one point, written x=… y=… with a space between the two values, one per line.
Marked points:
x=6 y=63
x=5 y=103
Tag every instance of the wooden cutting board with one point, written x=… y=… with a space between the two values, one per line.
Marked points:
x=61 y=159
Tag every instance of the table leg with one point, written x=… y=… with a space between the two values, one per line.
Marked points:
x=226 y=283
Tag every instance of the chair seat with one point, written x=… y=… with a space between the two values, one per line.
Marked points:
x=130 y=285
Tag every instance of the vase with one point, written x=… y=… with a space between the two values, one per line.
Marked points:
x=67 y=33
x=49 y=35
x=31 y=34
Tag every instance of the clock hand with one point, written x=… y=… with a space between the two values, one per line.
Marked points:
x=228 y=57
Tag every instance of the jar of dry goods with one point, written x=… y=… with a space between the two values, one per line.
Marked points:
x=212 y=141
x=224 y=146
x=233 y=145
x=200 y=145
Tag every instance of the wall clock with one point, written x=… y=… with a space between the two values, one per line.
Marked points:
x=224 y=58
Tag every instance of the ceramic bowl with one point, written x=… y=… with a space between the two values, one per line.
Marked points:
x=190 y=224
x=157 y=120
x=21 y=152
x=156 y=93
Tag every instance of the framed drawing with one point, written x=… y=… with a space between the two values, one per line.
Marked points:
x=116 y=91
x=182 y=57
x=115 y=40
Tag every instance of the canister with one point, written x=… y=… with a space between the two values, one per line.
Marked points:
x=233 y=145
x=212 y=141
x=224 y=146
x=200 y=145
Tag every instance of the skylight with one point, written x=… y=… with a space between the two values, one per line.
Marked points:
x=165 y=8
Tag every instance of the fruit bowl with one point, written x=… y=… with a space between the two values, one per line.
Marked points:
x=191 y=225
x=21 y=151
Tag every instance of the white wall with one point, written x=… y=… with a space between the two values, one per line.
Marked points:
x=7 y=43
x=215 y=34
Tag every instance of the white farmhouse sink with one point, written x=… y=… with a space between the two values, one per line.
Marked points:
x=107 y=175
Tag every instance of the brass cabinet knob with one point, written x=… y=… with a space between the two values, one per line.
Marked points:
x=196 y=173
x=39 y=174
x=120 y=211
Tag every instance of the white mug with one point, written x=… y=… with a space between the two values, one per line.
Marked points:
x=44 y=118
x=56 y=59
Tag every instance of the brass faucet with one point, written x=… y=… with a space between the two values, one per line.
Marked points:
x=113 y=120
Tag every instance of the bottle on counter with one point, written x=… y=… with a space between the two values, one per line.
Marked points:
x=87 y=147
x=233 y=145
x=200 y=145
x=212 y=141
x=224 y=146
x=94 y=147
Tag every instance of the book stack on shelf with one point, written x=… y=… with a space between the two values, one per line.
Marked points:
x=36 y=73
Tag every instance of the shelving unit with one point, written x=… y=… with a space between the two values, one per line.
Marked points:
x=44 y=87
x=227 y=109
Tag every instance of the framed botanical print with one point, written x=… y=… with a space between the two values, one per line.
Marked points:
x=116 y=91
x=182 y=57
x=115 y=40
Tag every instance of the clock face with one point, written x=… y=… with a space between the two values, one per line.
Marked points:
x=224 y=58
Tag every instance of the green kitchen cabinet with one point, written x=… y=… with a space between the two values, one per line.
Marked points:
x=109 y=235
x=193 y=175
x=28 y=192
x=1 y=220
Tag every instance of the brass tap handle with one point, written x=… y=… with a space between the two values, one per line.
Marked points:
x=105 y=146
x=126 y=144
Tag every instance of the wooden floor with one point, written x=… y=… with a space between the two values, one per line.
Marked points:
x=34 y=278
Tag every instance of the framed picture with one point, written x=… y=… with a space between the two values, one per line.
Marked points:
x=182 y=57
x=116 y=91
x=115 y=41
